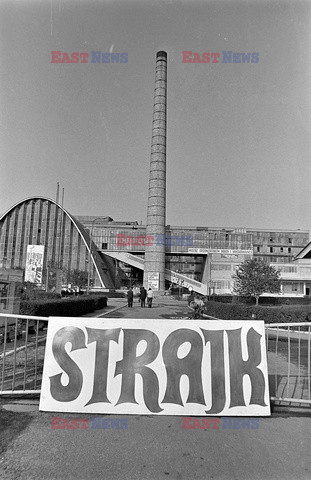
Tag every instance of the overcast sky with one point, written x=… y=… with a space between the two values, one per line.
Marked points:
x=238 y=135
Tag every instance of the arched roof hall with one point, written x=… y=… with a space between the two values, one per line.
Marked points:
x=42 y=221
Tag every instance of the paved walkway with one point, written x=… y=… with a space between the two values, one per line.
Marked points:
x=162 y=307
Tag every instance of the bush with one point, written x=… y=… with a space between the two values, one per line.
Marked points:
x=36 y=294
x=116 y=294
x=279 y=314
x=65 y=307
x=277 y=300
x=263 y=300
x=223 y=298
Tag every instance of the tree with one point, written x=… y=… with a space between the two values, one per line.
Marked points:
x=254 y=277
x=76 y=277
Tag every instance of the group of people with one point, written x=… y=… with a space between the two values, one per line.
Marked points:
x=142 y=297
x=145 y=294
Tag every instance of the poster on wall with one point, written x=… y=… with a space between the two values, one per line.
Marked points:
x=153 y=280
x=159 y=367
x=34 y=263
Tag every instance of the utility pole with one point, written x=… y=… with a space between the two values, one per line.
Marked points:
x=90 y=255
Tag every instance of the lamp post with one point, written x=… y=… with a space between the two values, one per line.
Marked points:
x=181 y=284
x=209 y=259
x=116 y=274
x=90 y=254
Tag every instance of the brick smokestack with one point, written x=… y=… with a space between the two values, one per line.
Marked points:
x=155 y=253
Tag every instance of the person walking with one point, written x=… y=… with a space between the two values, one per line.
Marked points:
x=130 y=296
x=149 y=297
x=143 y=295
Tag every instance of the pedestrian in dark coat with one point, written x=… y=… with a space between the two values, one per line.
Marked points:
x=143 y=295
x=130 y=296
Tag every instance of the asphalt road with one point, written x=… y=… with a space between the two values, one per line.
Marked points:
x=157 y=448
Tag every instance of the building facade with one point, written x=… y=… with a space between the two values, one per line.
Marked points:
x=296 y=275
x=111 y=253
x=208 y=255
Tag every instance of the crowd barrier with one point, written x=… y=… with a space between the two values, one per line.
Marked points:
x=22 y=345
x=288 y=350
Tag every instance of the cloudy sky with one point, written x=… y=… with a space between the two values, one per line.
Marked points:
x=238 y=135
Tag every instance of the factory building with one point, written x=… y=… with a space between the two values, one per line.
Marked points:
x=112 y=253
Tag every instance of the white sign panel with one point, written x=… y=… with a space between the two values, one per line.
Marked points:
x=34 y=263
x=225 y=251
x=160 y=367
x=153 y=280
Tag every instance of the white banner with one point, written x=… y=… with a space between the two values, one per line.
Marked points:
x=226 y=251
x=161 y=367
x=34 y=263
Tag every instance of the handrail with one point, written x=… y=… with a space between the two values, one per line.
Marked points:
x=12 y=315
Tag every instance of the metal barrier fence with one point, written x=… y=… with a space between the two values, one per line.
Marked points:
x=22 y=349
x=288 y=351
x=21 y=353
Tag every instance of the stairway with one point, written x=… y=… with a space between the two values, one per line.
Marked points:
x=170 y=275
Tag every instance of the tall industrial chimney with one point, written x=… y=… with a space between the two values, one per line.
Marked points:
x=154 y=274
